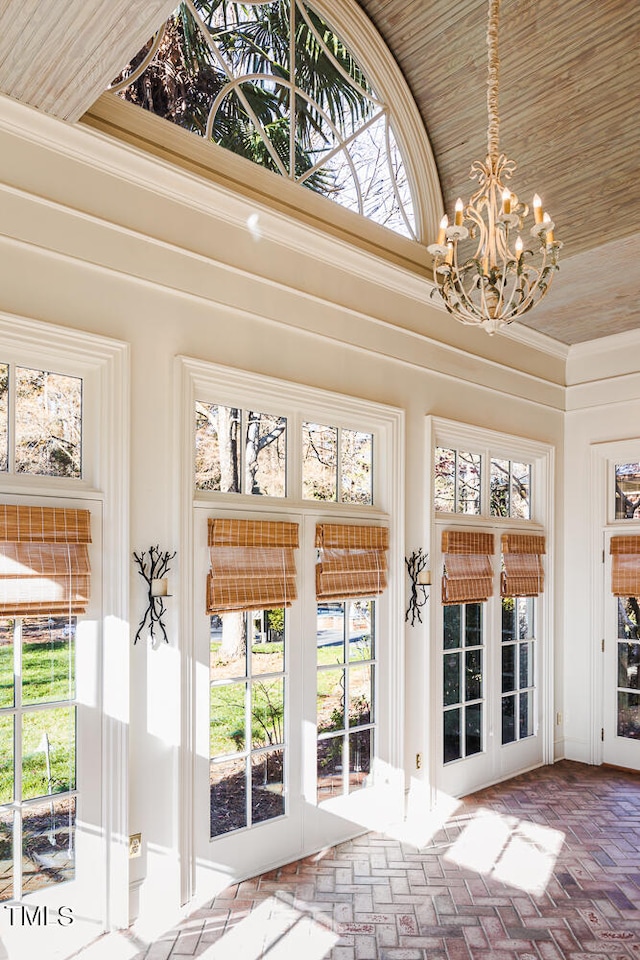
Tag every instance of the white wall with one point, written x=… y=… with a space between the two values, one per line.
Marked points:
x=88 y=245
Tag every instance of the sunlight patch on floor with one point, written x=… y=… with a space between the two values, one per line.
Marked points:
x=275 y=930
x=516 y=852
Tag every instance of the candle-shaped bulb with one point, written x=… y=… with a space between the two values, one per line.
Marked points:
x=444 y=223
x=449 y=257
x=459 y=208
x=537 y=208
x=506 y=200
x=519 y=247
x=546 y=221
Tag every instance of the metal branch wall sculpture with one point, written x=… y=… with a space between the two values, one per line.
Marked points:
x=153 y=569
x=416 y=563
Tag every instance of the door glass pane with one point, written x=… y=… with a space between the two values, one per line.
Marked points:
x=628 y=668
x=473 y=624
x=329 y=768
x=628 y=665
x=360 y=752
x=265 y=454
x=356 y=459
x=451 y=615
x=452 y=745
x=267 y=646
x=508 y=667
x=473 y=674
x=6 y=854
x=227 y=719
x=217 y=454
x=629 y=715
x=48 y=423
x=247 y=716
x=48 y=659
x=267 y=786
x=451 y=679
x=473 y=729
x=360 y=695
x=509 y=719
x=330 y=633
x=330 y=706
x=360 y=630
x=6 y=663
x=319 y=462
x=48 y=844
x=627 y=481
x=228 y=796
x=228 y=643
x=48 y=752
x=267 y=713
x=526 y=714
x=462 y=681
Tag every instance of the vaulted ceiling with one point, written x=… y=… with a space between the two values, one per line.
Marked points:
x=569 y=109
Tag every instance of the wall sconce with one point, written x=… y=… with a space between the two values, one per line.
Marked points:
x=154 y=570
x=420 y=578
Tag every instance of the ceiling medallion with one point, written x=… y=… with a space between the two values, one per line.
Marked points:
x=485 y=272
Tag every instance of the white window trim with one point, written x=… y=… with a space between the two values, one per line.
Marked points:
x=541 y=456
x=201 y=380
x=104 y=365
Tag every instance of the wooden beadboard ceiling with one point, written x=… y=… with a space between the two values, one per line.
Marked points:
x=569 y=108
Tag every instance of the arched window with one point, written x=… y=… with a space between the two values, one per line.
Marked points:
x=276 y=84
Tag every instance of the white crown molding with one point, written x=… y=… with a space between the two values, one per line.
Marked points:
x=529 y=337
x=132 y=166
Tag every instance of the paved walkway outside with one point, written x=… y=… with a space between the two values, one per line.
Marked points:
x=543 y=867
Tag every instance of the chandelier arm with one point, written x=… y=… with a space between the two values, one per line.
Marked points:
x=493 y=132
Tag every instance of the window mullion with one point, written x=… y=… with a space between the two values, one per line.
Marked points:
x=292 y=90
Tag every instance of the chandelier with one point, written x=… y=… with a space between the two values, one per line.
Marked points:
x=485 y=272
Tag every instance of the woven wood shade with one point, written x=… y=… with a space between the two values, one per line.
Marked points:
x=468 y=573
x=44 y=560
x=353 y=561
x=522 y=575
x=625 y=566
x=252 y=565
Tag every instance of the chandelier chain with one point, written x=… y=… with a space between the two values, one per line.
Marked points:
x=493 y=132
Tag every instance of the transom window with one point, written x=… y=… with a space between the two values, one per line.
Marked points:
x=40 y=422
x=276 y=84
x=461 y=478
x=245 y=451
x=627 y=487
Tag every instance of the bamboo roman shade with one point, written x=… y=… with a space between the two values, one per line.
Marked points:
x=252 y=565
x=625 y=566
x=468 y=573
x=352 y=561
x=44 y=560
x=522 y=574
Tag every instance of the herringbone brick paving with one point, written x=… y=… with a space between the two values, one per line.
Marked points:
x=542 y=867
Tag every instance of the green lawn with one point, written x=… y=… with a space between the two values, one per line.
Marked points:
x=47 y=677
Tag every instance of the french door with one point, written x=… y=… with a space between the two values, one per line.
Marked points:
x=621 y=677
x=52 y=882
x=289 y=724
x=487 y=671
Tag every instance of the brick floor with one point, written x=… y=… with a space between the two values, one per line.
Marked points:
x=542 y=867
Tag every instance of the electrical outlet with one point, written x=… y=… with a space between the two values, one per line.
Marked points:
x=135 y=845
x=418 y=761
